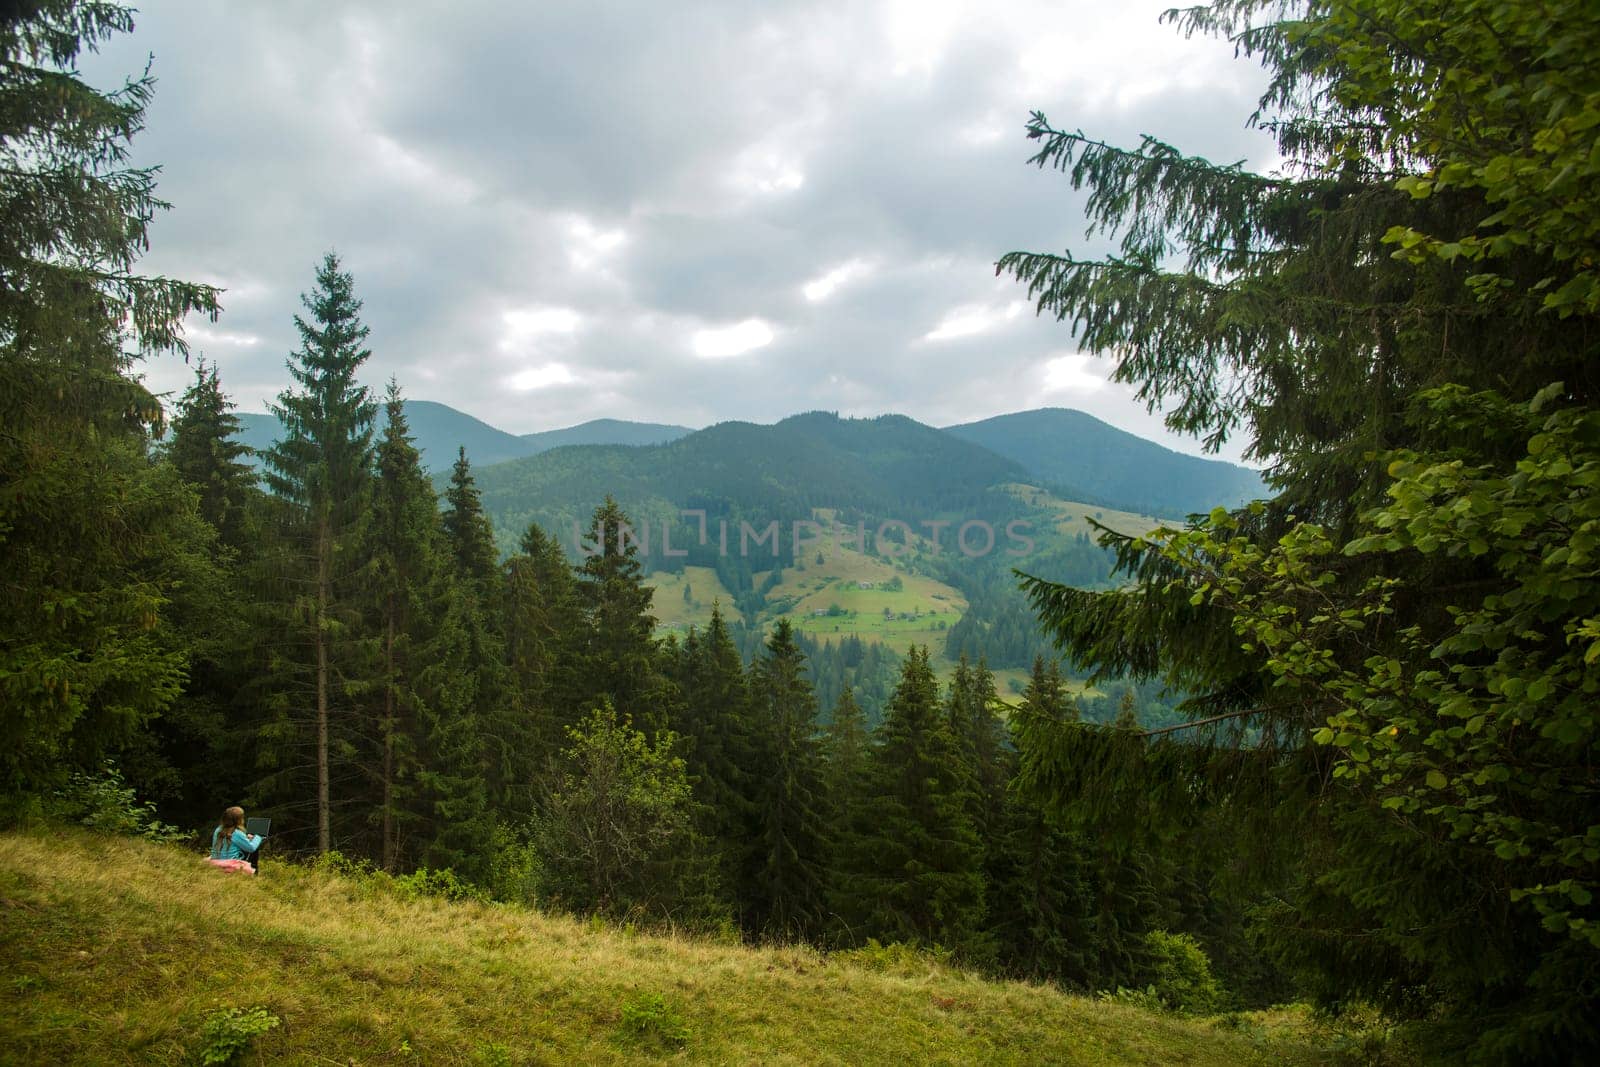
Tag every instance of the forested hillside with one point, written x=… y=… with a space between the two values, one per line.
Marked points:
x=929 y=579
x=884 y=468
x=1082 y=458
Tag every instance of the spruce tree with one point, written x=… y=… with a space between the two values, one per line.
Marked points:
x=619 y=653
x=979 y=733
x=199 y=748
x=543 y=630
x=1127 y=716
x=469 y=535
x=914 y=868
x=1415 y=279
x=715 y=722
x=845 y=748
x=791 y=844
x=469 y=531
x=1041 y=886
x=207 y=454
x=90 y=531
x=321 y=472
x=405 y=548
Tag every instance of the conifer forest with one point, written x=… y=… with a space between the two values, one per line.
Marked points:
x=1324 y=735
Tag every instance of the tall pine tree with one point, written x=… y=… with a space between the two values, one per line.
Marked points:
x=1041 y=887
x=790 y=850
x=542 y=632
x=714 y=720
x=208 y=455
x=405 y=547
x=89 y=530
x=321 y=472
x=619 y=655
x=914 y=866
x=468 y=529
x=485 y=690
x=199 y=748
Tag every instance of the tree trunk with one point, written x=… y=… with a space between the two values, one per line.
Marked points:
x=324 y=838
x=388 y=743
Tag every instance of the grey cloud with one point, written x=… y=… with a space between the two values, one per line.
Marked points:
x=452 y=153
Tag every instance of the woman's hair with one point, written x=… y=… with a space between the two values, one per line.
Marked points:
x=232 y=819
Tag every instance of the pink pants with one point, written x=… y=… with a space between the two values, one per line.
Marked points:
x=232 y=865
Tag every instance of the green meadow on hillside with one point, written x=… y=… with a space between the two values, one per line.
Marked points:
x=851 y=592
x=120 y=951
x=1072 y=516
x=670 y=608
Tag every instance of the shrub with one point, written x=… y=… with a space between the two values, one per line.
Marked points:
x=616 y=834
x=335 y=862
x=366 y=880
x=494 y=1054
x=649 y=1018
x=1143 y=999
x=513 y=866
x=228 y=1033
x=104 y=802
x=441 y=883
x=1180 y=973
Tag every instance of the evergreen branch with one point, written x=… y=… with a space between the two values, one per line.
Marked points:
x=1157 y=197
x=1240 y=713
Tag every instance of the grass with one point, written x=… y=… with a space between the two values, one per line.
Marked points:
x=853 y=580
x=705 y=590
x=1072 y=517
x=119 y=951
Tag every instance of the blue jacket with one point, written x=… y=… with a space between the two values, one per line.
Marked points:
x=237 y=846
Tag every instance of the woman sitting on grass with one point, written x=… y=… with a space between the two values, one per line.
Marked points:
x=230 y=844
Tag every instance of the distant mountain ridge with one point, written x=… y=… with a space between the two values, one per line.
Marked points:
x=890 y=466
x=440 y=430
x=816 y=459
x=1082 y=458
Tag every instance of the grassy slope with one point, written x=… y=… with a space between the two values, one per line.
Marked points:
x=837 y=580
x=114 y=950
x=1072 y=516
x=705 y=589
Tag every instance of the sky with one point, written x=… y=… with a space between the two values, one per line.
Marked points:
x=683 y=213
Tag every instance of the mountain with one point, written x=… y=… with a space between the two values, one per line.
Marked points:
x=440 y=429
x=1082 y=458
x=606 y=432
x=889 y=467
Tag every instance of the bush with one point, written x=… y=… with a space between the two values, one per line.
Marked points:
x=1143 y=999
x=649 y=1018
x=616 y=834
x=335 y=862
x=513 y=866
x=1180 y=973
x=441 y=883
x=228 y=1033
x=104 y=802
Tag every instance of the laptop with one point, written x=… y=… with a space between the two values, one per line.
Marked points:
x=260 y=828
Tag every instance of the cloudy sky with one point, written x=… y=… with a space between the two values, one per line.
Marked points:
x=681 y=212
